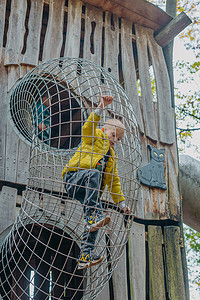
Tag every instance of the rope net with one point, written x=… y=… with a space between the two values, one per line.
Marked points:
x=51 y=251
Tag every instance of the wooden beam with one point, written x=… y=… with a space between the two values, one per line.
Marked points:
x=171 y=9
x=137 y=11
x=172 y=29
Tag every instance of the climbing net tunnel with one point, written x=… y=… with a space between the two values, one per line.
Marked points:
x=49 y=107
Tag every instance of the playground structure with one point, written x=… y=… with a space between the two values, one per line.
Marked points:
x=124 y=40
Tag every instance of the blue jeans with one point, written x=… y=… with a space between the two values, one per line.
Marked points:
x=84 y=186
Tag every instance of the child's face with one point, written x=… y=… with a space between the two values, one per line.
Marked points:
x=114 y=135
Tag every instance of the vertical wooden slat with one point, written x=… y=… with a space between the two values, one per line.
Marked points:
x=156 y=267
x=54 y=35
x=137 y=262
x=104 y=294
x=12 y=140
x=13 y=76
x=16 y=30
x=23 y=162
x=174 y=270
x=143 y=61
x=12 y=144
x=166 y=113
x=111 y=46
x=93 y=34
x=3 y=119
x=173 y=185
x=72 y=45
x=8 y=197
x=128 y=68
x=119 y=279
x=31 y=55
x=2 y=23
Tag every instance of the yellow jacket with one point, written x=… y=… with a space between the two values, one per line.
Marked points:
x=94 y=146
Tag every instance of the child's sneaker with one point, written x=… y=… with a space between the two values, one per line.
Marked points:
x=86 y=261
x=94 y=222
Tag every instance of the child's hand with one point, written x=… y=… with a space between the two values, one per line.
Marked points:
x=105 y=100
x=126 y=210
x=41 y=127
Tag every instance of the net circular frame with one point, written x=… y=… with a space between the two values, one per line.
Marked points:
x=39 y=255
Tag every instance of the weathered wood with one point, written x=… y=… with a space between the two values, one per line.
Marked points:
x=137 y=262
x=172 y=29
x=174 y=270
x=3 y=119
x=23 y=162
x=143 y=61
x=111 y=45
x=166 y=114
x=104 y=294
x=174 y=202
x=12 y=144
x=156 y=267
x=128 y=69
x=2 y=24
x=33 y=39
x=12 y=141
x=137 y=11
x=119 y=279
x=93 y=34
x=72 y=45
x=8 y=197
x=168 y=50
x=13 y=76
x=16 y=30
x=54 y=35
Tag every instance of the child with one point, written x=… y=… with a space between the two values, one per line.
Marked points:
x=42 y=118
x=93 y=166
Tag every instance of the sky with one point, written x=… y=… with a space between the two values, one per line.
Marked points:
x=180 y=53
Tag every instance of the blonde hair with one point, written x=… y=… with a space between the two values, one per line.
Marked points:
x=117 y=124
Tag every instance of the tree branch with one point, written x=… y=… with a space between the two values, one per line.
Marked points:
x=188 y=113
x=187 y=129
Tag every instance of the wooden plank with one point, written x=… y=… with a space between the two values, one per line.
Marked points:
x=128 y=68
x=2 y=23
x=143 y=61
x=93 y=34
x=119 y=279
x=111 y=45
x=16 y=30
x=174 y=269
x=33 y=39
x=137 y=262
x=8 y=197
x=104 y=294
x=54 y=35
x=72 y=45
x=12 y=140
x=13 y=76
x=12 y=144
x=23 y=162
x=156 y=267
x=172 y=168
x=137 y=11
x=3 y=119
x=166 y=114
x=172 y=29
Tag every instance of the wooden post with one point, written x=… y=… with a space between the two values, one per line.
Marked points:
x=172 y=29
x=156 y=268
x=174 y=269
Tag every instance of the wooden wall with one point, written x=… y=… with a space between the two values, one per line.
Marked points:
x=34 y=31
